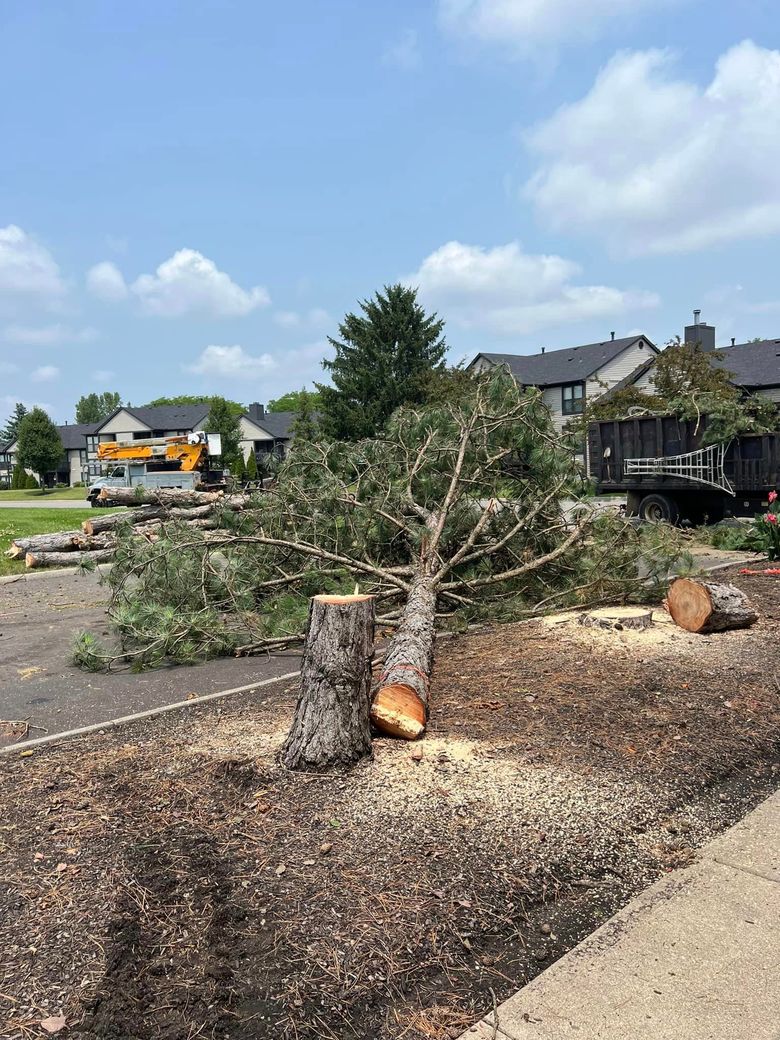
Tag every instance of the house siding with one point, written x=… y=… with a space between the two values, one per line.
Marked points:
x=123 y=425
x=772 y=392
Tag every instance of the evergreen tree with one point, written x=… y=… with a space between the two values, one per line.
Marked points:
x=384 y=359
x=11 y=429
x=40 y=447
x=251 y=467
x=18 y=478
x=304 y=426
x=31 y=483
x=224 y=421
x=238 y=469
x=93 y=408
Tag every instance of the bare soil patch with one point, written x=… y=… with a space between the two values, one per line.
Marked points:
x=171 y=881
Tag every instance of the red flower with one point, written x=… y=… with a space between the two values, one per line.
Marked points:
x=770 y=518
x=772 y=497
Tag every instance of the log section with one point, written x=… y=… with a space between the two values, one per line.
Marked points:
x=704 y=606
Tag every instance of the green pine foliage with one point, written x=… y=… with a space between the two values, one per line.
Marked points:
x=251 y=467
x=31 y=483
x=384 y=359
x=11 y=429
x=39 y=444
x=18 y=478
x=689 y=383
x=344 y=512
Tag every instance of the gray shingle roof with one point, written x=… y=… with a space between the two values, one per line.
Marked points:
x=277 y=424
x=564 y=366
x=752 y=364
x=168 y=416
x=74 y=436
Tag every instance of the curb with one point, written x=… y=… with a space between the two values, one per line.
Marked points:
x=96 y=727
x=55 y=572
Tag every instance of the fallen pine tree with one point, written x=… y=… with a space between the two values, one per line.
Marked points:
x=453 y=515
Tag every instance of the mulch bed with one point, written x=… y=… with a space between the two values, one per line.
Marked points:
x=169 y=881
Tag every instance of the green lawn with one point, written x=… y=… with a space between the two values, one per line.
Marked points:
x=20 y=523
x=50 y=496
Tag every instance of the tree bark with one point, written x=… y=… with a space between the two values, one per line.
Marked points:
x=134 y=496
x=400 y=706
x=60 y=541
x=66 y=559
x=98 y=524
x=331 y=727
x=704 y=607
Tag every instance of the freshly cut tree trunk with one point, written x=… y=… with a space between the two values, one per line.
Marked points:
x=703 y=606
x=66 y=559
x=60 y=541
x=163 y=496
x=331 y=727
x=618 y=618
x=400 y=706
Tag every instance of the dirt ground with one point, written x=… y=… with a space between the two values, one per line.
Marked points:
x=170 y=881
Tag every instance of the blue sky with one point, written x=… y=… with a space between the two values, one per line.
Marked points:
x=193 y=193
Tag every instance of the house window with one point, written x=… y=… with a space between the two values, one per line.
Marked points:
x=573 y=399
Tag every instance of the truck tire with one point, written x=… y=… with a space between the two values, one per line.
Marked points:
x=656 y=509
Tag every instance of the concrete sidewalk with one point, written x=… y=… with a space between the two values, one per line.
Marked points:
x=694 y=957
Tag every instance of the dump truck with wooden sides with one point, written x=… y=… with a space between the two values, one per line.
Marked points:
x=669 y=472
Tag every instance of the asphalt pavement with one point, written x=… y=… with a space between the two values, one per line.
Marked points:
x=39 y=620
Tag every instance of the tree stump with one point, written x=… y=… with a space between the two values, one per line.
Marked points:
x=331 y=727
x=703 y=606
x=618 y=618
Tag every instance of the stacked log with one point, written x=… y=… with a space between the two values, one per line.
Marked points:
x=96 y=541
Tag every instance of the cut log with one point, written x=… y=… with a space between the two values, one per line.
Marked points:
x=703 y=606
x=89 y=543
x=331 y=727
x=66 y=559
x=134 y=496
x=400 y=706
x=618 y=618
x=60 y=541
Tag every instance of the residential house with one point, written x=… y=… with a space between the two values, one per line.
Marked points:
x=753 y=366
x=570 y=377
x=262 y=432
x=72 y=464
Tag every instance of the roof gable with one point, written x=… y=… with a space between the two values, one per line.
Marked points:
x=570 y=365
x=165 y=416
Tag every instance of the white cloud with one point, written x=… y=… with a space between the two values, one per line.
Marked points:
x=48 y=335
x=509 y=292
x=186 y=283
x=189 y=282
x=45 y=374
x=102 y=375
x=405 y=52
x=654 y=164
x=27 y=269
x=231 y=363
x=523 y=24
x=107 y=282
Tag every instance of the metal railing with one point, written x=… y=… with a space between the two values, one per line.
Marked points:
x=703 y=466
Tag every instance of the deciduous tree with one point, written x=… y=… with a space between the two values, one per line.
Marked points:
x=224 y=421
x=93 y=408
x=39 y=443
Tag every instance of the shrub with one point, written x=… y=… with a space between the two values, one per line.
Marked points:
x=30 y=482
